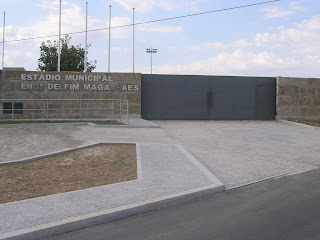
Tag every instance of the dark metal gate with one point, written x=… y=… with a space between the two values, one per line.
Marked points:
x=179 y=97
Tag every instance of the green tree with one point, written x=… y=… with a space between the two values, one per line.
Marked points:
x=71 y=57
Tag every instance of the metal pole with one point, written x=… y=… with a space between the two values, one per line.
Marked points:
x=80 y=108
x=12 y=109
x=109 y=38
x=120 y=110
x=59 y=45
x=133 y=40
x=151 y=51
x=86 y=46
x=4 y=27
x=47 y=109
x=112 y=109
x=127 y=112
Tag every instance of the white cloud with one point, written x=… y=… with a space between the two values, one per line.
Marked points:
x=289 y=52
x=168 y=5
x=180 y=5
x=277 y=12
x=73 y=20
x=49 y=5
x=295 y=6
x=238 y=62
x=242 y=63
x=119 y=50
x=242 y=43
x=140 y=5
x=162 y=29
x=20 y=58
x=118 y=33
x=304 y=38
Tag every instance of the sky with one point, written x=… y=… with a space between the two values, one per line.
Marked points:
x=275 y=39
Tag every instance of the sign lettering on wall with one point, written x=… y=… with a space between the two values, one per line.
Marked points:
x=73 y=82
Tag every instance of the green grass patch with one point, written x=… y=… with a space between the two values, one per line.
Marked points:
x=104 y=122
x=311 y=123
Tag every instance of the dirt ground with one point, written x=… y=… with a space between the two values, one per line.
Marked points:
x=90 y=167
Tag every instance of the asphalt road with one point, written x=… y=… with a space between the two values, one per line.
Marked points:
x=283 y=208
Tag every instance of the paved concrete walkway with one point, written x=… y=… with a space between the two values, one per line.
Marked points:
x=167 y=170
x=237 y=152
x=19 y=142
x=241 y=152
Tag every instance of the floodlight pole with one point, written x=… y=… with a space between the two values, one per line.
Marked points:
x=151 y=51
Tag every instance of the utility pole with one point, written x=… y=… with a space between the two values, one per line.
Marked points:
x=151 y=51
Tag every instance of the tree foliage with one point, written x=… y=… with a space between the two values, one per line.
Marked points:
x=71 y=57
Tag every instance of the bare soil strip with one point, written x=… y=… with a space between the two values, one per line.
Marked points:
x=85 y=168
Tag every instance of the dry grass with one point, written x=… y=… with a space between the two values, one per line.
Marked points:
x=311 y=123
x=90 y=167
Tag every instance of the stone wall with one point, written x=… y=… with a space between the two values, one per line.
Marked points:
x=71 y=85
x=298 y=98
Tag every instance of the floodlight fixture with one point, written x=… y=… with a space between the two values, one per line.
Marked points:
x=151 y=51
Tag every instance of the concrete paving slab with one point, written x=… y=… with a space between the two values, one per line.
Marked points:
x=29 y=141
x=169 y=173
x=241 y=152
x=237 y=152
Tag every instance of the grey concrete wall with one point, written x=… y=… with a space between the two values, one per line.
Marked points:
x=298 y=98
x=71 y=85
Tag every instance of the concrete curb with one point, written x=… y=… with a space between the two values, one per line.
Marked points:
x=42 y=124
x=131 y=124
x=202 y=168
x=121 y=126
x=60 y=152
x=297 y=124
x=308 y=169
x=67 y=225
x=88 y=220
x=149 y=125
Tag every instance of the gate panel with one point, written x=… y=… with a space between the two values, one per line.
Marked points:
x=266 y=99
x=178 y=97
x=234 y=98
x=173 y=97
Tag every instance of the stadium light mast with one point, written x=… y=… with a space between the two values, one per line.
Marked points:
x=151 y=51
